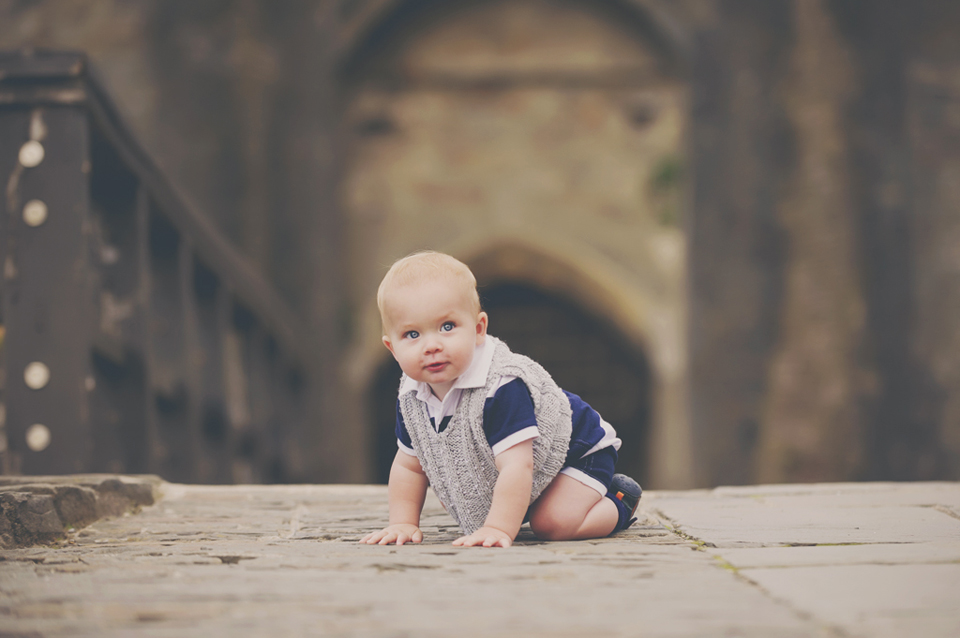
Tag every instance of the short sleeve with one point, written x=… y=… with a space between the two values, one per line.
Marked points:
x=509 y=417
x=403 y=437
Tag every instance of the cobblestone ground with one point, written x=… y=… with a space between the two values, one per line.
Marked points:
x=822 y=560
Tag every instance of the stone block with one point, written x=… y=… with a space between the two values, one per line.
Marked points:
x=38 y=515
x=114 y=497
x=77 y=506
x=6 y=530
x=28 y=518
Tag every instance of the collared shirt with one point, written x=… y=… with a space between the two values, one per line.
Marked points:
x=508 y=412
x=509 y=418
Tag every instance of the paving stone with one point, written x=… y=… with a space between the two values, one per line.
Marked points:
x=806 y=515
x=284 y=561
x=866 y=554
x=878 y=600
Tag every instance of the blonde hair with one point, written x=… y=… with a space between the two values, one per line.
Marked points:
x=424 y=266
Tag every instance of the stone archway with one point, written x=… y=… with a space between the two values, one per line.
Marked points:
x=488 y=126
x=366 y=22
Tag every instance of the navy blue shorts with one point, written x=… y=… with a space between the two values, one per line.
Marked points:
x=595 y=470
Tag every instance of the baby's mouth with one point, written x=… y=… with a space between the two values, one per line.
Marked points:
x=436 y=367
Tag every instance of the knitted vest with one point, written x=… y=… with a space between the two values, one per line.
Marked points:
x=459 y=462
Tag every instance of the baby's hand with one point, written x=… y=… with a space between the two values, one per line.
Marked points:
x=400 y=533
x=486 y=536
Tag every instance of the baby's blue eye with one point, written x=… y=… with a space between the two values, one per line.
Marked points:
x=447 y=326
x=412 y=334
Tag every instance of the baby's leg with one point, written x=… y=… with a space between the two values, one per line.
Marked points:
x=570 y=510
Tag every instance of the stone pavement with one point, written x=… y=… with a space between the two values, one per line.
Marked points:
x=799 y=560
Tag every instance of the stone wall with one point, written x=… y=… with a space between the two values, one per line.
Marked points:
x=757 y=198
x=824 y=148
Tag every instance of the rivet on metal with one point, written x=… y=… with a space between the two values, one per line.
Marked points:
x=31 y=153
x=34 y=213
x=38 y=437
x=36 y=375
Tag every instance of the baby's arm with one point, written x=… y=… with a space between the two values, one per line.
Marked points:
x=511 y=498
x=407 y=491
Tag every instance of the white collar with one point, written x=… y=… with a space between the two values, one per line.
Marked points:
x=475 y=376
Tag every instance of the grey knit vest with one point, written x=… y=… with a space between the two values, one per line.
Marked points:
x=459 y=462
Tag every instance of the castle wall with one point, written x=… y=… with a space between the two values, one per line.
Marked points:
x=763 y=205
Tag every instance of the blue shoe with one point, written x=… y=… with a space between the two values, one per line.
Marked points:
x=625 y=494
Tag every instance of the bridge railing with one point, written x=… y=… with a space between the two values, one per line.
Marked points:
x=135 y=338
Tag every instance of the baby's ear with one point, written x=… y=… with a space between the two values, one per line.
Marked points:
x=386 y=342
x=481 y=327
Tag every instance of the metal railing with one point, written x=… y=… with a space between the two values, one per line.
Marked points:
x=135 y=338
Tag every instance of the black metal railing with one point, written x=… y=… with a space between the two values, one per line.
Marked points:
x=135 y=338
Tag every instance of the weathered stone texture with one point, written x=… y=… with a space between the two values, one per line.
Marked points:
x=41 y=509
x=823 y=282
x=902 y=148
x=933 y=126
x=811 y=420
x=740 y=149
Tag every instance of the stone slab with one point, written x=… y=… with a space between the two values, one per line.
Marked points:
x=815 y=515
x=822 y=555
x=877 y=600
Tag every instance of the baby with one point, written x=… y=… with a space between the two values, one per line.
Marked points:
x=498 y=441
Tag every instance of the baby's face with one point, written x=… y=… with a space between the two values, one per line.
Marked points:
x=432 y=330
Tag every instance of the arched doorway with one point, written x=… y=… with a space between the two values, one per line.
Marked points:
x=583 y=353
